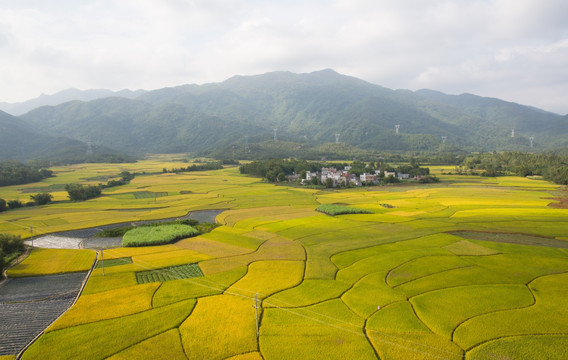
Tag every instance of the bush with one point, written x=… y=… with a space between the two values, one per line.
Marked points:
x=206 y=227
x=2 y=205
x=157 y=235
x=428 y=179
x=114 y=232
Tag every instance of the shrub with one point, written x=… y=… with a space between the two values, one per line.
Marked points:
x=428 y=179
x=2 y=205
x=114 y=232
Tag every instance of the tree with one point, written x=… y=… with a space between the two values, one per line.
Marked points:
x=2 y=205
x=9 y=244
x=329 y=183
x=78 y=192
x=41 y=198
x=14 y=204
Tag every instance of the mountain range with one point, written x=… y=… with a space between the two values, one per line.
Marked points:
x=65 y=96
x=303 y=110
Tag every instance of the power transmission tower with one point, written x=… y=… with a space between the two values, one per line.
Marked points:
x=89 y=148
x=256 y=307
x=512 y=133
x=337 y=138
x=532 y=140
x=103 y=261
x=396 y=128
x=444 y=139
x=275 y=134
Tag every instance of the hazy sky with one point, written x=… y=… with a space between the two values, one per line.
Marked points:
x=516 y=50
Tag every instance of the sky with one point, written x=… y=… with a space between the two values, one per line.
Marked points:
x=515 y=50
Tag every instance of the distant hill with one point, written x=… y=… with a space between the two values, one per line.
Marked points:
x=527 y=121
x=304 y=108
x=20 y=141
x=65 y=96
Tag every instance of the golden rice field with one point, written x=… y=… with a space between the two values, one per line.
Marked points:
x=440 y=273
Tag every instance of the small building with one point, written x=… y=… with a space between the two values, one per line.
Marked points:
x=368 y=178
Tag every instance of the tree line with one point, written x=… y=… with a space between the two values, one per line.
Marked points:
x=551 y=167
x=16 y=173
x=196 y=167
x=76 y=192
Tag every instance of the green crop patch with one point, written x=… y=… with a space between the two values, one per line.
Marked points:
x=170 y=273
x=113 y=262
x=157 y=235
x=334 y=209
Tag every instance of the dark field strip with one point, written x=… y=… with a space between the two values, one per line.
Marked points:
x=114 y=262
x=519 y=239
x=29 y=305
x=102 y=243
x=170 y=273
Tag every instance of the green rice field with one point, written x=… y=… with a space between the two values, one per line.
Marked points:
x=469 y=268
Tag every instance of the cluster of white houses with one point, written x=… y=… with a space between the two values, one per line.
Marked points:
x=344 y=177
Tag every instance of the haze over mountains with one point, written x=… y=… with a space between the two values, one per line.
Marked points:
x=307 y=109
x=61 y=97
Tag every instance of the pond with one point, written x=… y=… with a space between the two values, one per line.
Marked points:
x=86 y=238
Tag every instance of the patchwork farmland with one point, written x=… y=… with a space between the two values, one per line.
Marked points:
x=421 y=273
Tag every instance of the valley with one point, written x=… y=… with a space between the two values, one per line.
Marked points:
x=471 y=267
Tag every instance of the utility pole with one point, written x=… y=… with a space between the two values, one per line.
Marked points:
x=256 y=306
x=103 y=261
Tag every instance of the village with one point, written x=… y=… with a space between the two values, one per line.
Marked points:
x=331 y=177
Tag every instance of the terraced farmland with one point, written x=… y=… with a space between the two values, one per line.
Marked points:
x=28 y=305
x=425 y=277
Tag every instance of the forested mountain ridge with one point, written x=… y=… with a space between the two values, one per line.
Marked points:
x=304 y=108
x=65 y=96
x=22 y=141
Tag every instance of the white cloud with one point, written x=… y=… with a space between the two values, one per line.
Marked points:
x=512 y=49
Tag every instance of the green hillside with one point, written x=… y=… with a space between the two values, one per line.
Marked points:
x=22 y=141
x=304 y=108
